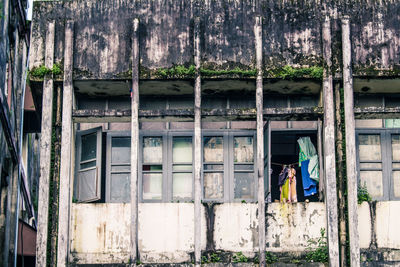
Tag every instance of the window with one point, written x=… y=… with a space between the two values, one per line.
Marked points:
x=229 y=166
x=379 y=162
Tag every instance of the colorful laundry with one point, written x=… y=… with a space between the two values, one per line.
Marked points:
x=308 y=151
x=309 y=185
x=288 y=188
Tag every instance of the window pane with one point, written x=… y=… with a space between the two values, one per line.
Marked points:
x=120 y=187
x=120 y=168
x=182 y=149
x=396 y=147
x=373 y=181
x=243 y=149
x=87 y=184
x=152 y=150
x=88 y=164
x=396 y=183
x=244 y=185
x=121 y=150
x=213 y=149
x=152 y=185
x=182 y=185
x=156 y=168
x=89 y=143
x=213 y=185
x=213 y=167
x=370 y=165
x=396 y=165
x=244 y=167
x=369 y=147
x=177 y=168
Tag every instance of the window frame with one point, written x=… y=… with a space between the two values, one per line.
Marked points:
x=387 y=160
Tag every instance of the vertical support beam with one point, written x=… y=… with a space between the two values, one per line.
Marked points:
x=134 y=140
x=45 y=150
x=350 y=145
x=329 y=147
x=66 y=149
x=260 y=140
x=197 y=145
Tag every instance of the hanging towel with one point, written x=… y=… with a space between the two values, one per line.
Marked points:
x=308 y=152
x=309 y=185
x=285 y=191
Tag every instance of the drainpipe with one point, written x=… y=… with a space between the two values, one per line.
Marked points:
x=21 y=131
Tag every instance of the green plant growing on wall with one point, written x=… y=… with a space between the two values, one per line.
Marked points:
x=214 y=257
x=41 y=71
x=239 y=257
x=204 y=259
x=362 y=194
x=317 y=249
x=289 y=72
x=270 y=258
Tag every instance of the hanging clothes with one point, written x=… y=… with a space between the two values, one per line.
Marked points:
x=285 y=191
x=292 y=185
x=288 y=188
x=309 y=185
x=283 y=176
x=308 y=152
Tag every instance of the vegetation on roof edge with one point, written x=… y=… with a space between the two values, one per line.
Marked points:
x=41 y=71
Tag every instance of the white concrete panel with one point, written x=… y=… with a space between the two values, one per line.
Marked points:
x=387 y=224
x=290 y=226
x=166 y=232
x=364 y=225
x=100 y=233
x=236 y=227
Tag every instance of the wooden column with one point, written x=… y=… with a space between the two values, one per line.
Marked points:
x=350 y=145
x=329 y=147
x=66 y=149
x=197 y=146
x=134 y=140
x=45 y=150
x=260 y=140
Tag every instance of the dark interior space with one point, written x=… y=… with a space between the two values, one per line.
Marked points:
x=284 y=151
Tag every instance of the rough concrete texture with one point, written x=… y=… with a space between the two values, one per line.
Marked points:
x=387 y=227
x=291 y=33
x=290 y=226
x=364 y=225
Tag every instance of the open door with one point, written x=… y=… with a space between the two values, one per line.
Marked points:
x=267 y=161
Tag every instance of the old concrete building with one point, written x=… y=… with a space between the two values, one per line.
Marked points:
x=179 y=116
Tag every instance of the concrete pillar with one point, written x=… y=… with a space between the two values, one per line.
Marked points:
x=329 y=147
x=45 y=150
x=66 y=149
x=197 y=146
x=350 y=145
x=134 y=140
x=260 y=141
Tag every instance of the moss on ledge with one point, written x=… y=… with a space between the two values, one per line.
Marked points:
x=38 y=73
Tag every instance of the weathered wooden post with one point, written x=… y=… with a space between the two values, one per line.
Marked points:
x=66 y=149
x=134 y=140
x=329 y=147
x=260 y=140
x=45 y=150
x=197 y=145
x=350 y=145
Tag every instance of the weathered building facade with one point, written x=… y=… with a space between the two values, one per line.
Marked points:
x=178 y=117
x=19 y=139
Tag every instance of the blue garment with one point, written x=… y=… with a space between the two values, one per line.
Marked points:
x=309 y=185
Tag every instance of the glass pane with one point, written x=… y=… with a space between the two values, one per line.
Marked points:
x=152 y=150
x=182 y=185
x=88 y=164
x=396 y=147
x=152 y=185
x=392 y=123
x=213 y=167
x=120 y=187
x=373 y=181
x=121 y=150
x=370 y=165
x=396 y=165
x=396 y=183
x=243 y=149
x=244 y=167
x=120 y=168
x=182 y=149
x=213 y=149
x=156 y=168
x=89 y=146
x=213 y=185
x=369 y=147
x=177 y=168
x=244 y=185
x=87 y=184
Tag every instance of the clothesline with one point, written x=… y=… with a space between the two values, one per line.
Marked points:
x=280 y=164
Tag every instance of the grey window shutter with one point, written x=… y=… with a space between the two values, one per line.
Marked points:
x=267 y=161
x=88 y=165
